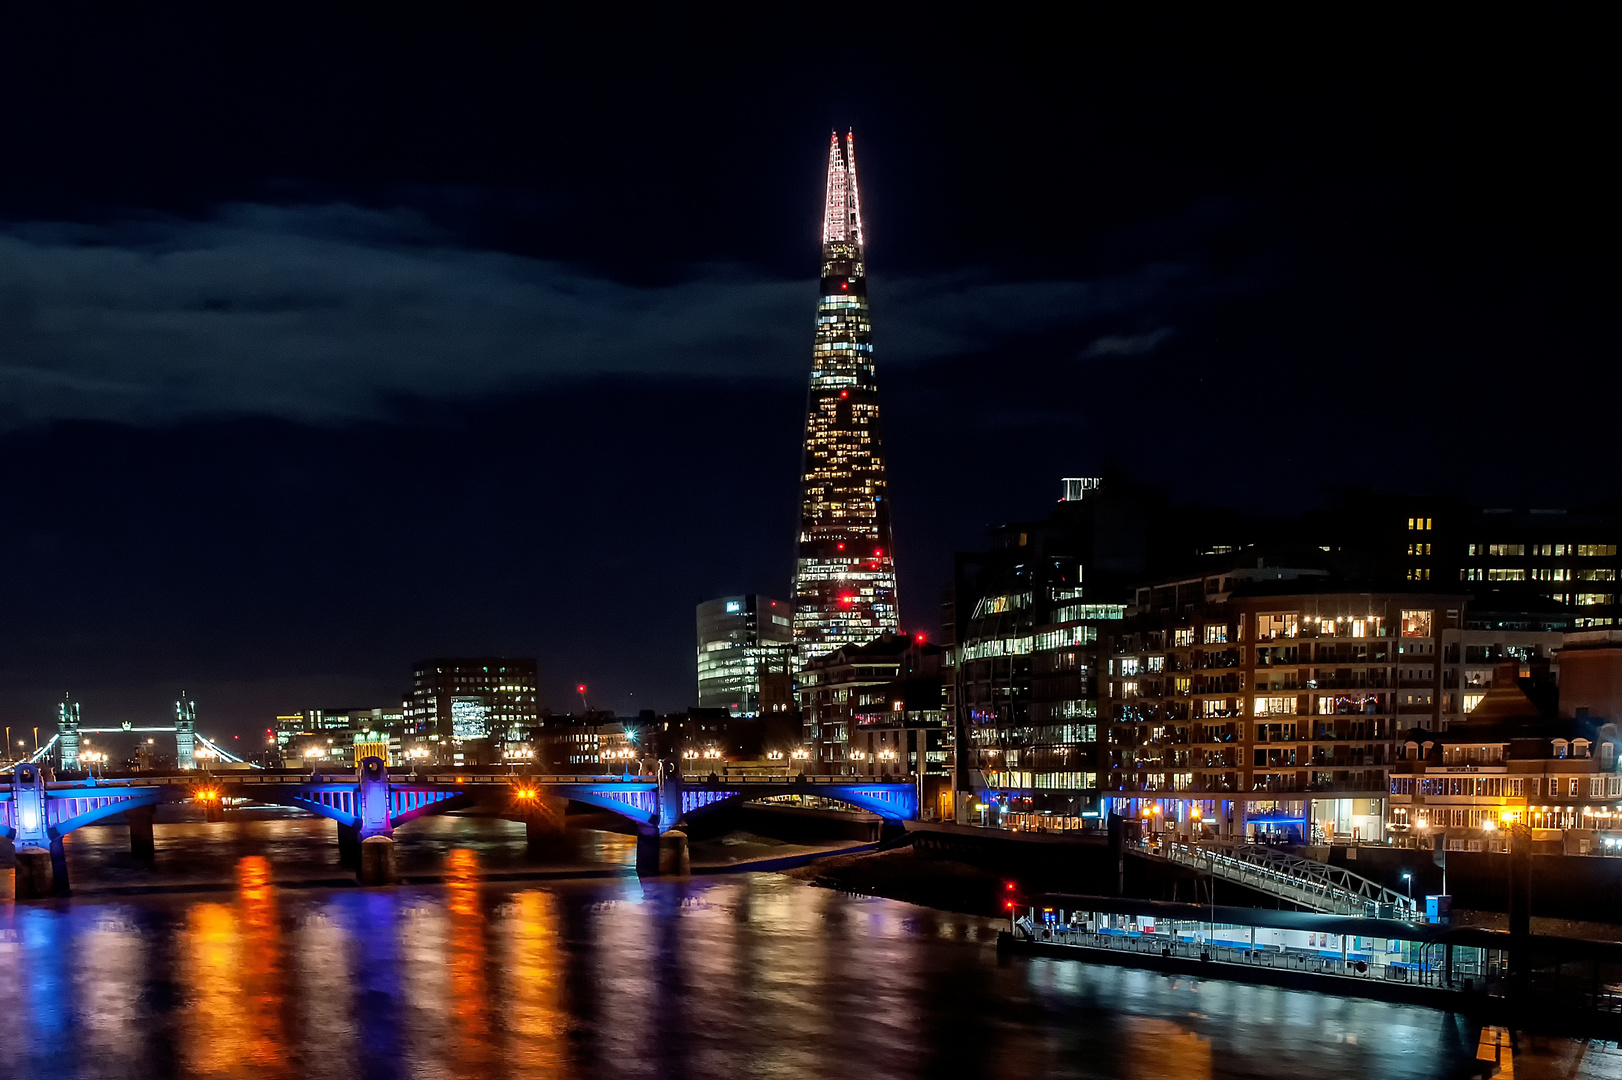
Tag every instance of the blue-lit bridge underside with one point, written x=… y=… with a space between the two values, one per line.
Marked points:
x=35 y=813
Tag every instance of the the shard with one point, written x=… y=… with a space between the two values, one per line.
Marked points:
x=844 y=583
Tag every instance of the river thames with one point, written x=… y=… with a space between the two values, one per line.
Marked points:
x=240 y=962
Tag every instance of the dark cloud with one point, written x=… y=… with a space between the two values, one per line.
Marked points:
x=1128 y=344
x=323 y=312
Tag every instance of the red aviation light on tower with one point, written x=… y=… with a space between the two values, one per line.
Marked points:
x=842 y=494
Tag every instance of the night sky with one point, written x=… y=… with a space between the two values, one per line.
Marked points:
x=334 y=341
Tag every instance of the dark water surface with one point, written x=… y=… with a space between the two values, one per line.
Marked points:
x=735 y=976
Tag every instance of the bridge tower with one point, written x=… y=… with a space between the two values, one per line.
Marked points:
x=186 y=732
x=67 y=727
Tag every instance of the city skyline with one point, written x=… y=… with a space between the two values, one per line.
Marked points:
x=309 y=377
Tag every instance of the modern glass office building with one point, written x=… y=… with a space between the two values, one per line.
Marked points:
x=746 y=655
x=844 y=583
x=462 y=708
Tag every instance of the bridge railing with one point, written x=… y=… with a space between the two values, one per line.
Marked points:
x=795 y=778
x=233 y=778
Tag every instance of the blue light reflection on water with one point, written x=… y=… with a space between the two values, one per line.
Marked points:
x=751 y=976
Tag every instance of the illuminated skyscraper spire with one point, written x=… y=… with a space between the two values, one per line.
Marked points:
x=844 y=584
x=842 y=212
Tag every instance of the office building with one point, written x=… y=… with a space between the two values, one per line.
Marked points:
x=594 y=742
x=876 y=684
x=845 y=580
x=1567 y=557
x=1022 y=625
x=332 y=736
x=462 y=710
x=746 y=655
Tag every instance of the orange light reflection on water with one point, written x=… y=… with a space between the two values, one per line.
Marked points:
x=536 y=1012
x=234 y=978
x=263 y=976
x=470 y=996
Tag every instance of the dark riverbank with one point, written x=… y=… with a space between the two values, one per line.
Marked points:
x=949 y=885
x=903 y=874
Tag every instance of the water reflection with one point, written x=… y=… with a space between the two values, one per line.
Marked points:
x=474 y=1053
x=1156 y=1049
x=534 y=1002
x=749 y=977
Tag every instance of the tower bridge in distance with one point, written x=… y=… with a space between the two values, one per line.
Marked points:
x=36 y=812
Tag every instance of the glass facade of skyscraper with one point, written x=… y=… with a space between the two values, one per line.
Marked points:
x=844 y=584
x=746 y=655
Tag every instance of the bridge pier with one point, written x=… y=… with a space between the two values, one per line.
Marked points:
x=214 y=811
x=377 y=861
x=544 y=831
x=349 y=845
x=142 y=843
x=59 y=867
x=543 y=838
x=35 y=876
x=663 y=855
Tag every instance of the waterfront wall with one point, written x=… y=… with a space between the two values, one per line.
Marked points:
x=1563 y=886
x=1075 y=862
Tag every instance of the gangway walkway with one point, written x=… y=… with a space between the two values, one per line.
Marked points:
x=1313 y=885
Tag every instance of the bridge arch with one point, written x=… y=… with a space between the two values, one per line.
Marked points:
x=892 y=802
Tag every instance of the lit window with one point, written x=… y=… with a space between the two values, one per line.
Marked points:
x=1269 y=627
x=1416 y=624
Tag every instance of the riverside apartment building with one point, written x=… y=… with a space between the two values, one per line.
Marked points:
x=1274 y=702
